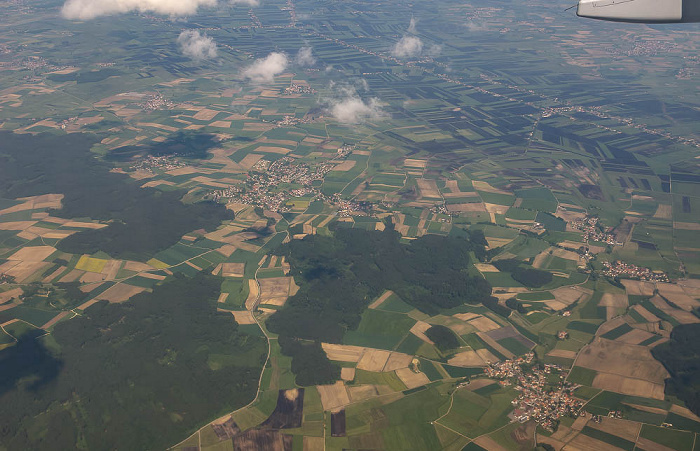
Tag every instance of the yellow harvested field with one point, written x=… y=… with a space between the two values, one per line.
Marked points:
x=465 y=316
x=205 y=114
x=413 y=163
x=486 y=355
x=484 y=324
x=487 y=442
x=347 y=374
x=638 y=287
x=249 y=160
x=683 y=411
x=622 y=359
x=232 y=269
x=148 y=275
x=72 y=276
x=153 y=183
x=681 y=315
x=467 y=358
x=419 y=329
x=412 y=379
x=686 y=226
x=209 y=182
x=87 y=263
x=610 y=325
x=137 y=266
x=8 y=306
x=274 y=290
x=541 y=258
x=183 y=171
x=85 y=225
x=655 y=410
x=111 y=269
x=226 y=250
x=32 y=254
x=345 y=165
x=555 y=305
x=223 y=297
x=469 y=206
x=571 y=244
x=363 y=392
x=664 y=212
x=648 y=445
x=635 y=337
x=396 y=361
x=220 y=124
x=497 y=242
x=428 y=188
x=24 y=270
x=461 y=194
x=273 y=149
x=87 y=304
x=120 y=292
x=373 y=360
x=496 y=208
x=57 y=234
x=381 y=299
x=486 y=267
x=569 y=295
x=628 y=385
x=613 y=300
x=333 y=397
x=55 y=319
x=35 y=203
x=154 y=262
x=314 y=443
x=563 y=253
x=585 y=443
x=495 y=345
x=580 y=423
x=253 y=293
x=244 y=317
x=677 y=295
x=92 y=277
x=343 y=353
x=487 y=188
x=9 y=294
x=562 y=353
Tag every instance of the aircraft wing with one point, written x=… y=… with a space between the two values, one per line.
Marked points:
x=644 y=11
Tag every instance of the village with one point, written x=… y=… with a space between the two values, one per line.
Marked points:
x=591 y=231
x=152 y=164
x=265 y=184
x=619 y=268
x=538 y=400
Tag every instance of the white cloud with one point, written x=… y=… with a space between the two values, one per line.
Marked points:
x=347 y=106
x=305 y=57
x=435 y=50
x=89 y=9
x=353 y=110
x=407 y=47
x=196 y=46
x=263 y=70
x=412 y=25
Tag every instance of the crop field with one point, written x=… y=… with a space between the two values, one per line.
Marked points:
x=570 y=145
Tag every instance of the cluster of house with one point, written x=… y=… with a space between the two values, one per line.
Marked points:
x=619 y=268
x=265 y=184
x=299 y=89
x=593 y=232
x=539 y=399
x=156 y=102
x=152 y=164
